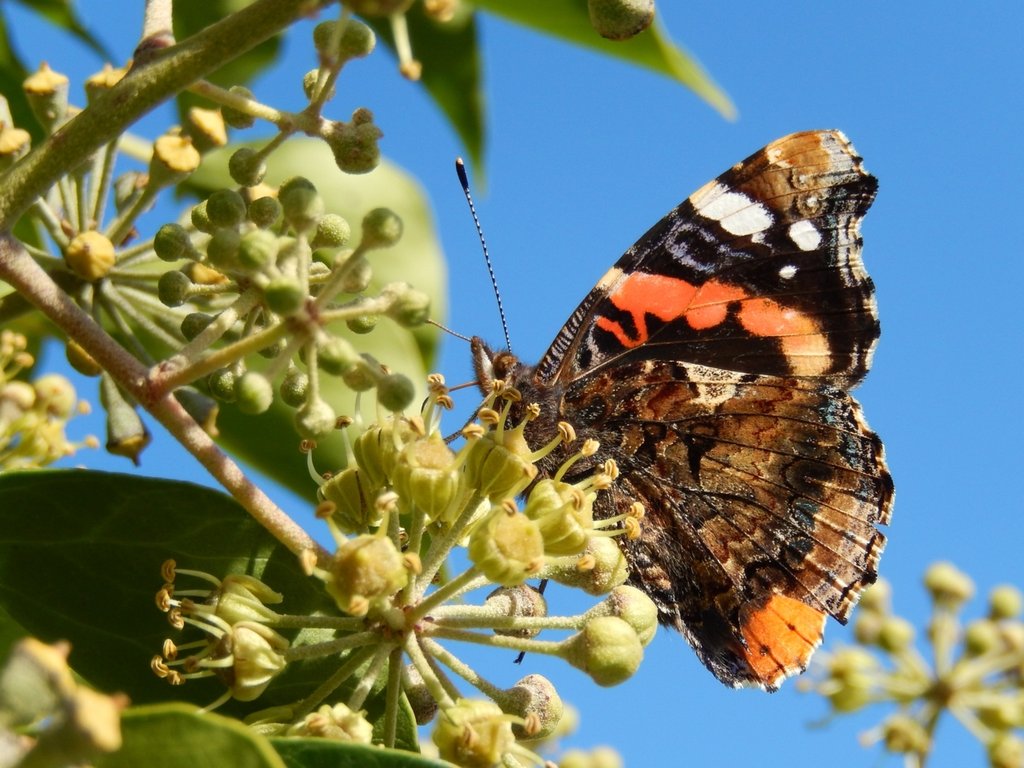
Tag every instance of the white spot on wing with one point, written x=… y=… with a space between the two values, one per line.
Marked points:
x=734 y=211
x=788 y=272
x=805 y=235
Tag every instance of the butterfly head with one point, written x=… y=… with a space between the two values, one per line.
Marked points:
x=492 y=365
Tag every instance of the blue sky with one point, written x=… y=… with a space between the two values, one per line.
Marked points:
x=584 y=154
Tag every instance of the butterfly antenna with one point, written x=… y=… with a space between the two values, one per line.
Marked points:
x=460 y=169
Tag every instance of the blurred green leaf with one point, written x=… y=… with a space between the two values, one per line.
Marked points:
x=269 y=441
x=12 y=75
x=326 y=753
x=450 y=56
x=80 y=556
x=61 y=13
x=653 y=49
x=176 y=736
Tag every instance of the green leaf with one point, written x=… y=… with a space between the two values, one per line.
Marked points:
x=12 y=75
x=653 y=49
x=269 y=441
x=324 y=753
x=61 y=13
x=80 y=556
x=450 y=56
x=176 y=736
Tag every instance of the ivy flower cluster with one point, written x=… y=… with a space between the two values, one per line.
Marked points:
x=255 y=272
x=399 y=513
x=34 y=416
x=975 y=673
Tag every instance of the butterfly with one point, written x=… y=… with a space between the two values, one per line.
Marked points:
x=713 y=362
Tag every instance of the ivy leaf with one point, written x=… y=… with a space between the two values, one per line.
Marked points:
x=652 y=49
x=61 y=13
x=326 y=753
x=450 y=55
x=80 y=556
x=176 y=736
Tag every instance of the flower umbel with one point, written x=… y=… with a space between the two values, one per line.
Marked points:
x=975 y=674
x=407 y=512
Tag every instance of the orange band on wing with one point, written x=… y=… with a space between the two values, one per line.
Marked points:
x=780 y=637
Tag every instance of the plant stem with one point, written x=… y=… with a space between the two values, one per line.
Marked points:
x=19 y=270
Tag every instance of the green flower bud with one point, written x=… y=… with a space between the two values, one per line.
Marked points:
x=354 y=41
x=867 y=627
x=14 y=145
x=206 y=128
x=241 y=597
x=1006 y=751
x=173 y=159
x=520 y=600
x=195 y=323
x=565 y=516
x=81 y=360
x=852 y=672
x=377 y=449
x=358 y=273
x=896 y=634
x=283 y=295
x=337 y=357
x=507 y=547
x=499 y=468
x=337 y=722
x=225 y=208
x=381 y=229
x=876 y=599
x=607 y=649
x=265 y=212
x=473 y=734
x=981 y=637
x=364 y=569
x=620 y=19
x=534 y=699
x=126 y=434
x=425 y=475
x=354 y=495
x=949 y=587
x=256 y=650
x=362 y=324
x=172 y=243
x=254 y=392
x=355 y=145
x=258 y=249
x=395 y=392
x=90 y=255
x=246 y=167
x=903 y=734
x=332 y=231
x=409 y=307
x=361 y=377
x=127 y=187
x=294 y=387
x=1001 y=713
x=315 y=419
x=221 y=384
x=200 y=219
x=234 y=117
x=55 y=396
x=222 y=250
x=173 y=288
x=633 y=607
x=47 y=93
x=301 y=205
x=600 y=568
x=103 y=81
x=1005 y=602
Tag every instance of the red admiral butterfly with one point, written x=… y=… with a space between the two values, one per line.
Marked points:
x=713 y=362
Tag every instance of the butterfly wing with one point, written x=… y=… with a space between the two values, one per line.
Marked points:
x=762 y=495
x=758 y=271
x=712 y=362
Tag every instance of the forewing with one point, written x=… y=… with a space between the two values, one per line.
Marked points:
x=759 y=271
